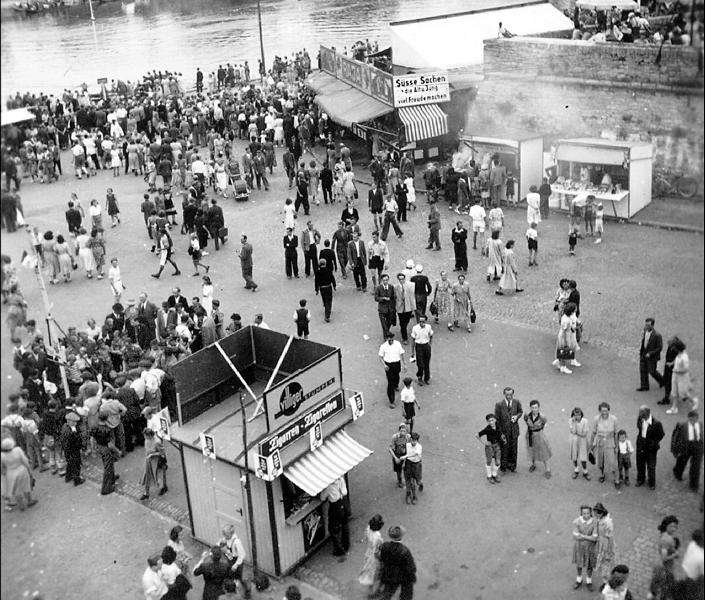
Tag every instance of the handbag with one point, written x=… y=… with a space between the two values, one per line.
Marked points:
x=356 y=195
x=591 y=457
x=473 y=316
x=578 y=331
x=565 y=353
x=433 y=309
x=223 y=232
x=161 y=463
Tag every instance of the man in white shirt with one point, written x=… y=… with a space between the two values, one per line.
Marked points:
x=234 y=552
x=198 y=168
x=412 y=468
x=259 y=322
x=478 y=216
x=421 y=337
x=693 y=558
x=153 y=585
x=337 y=516
x=390 y=208
x=391 y=355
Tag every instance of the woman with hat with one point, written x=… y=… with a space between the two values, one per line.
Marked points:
x=604 y=551
x=154 y=463
x=16 y=478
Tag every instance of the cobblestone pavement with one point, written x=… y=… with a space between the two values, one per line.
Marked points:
x=465 y=534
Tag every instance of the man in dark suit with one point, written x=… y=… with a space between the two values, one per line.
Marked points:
x=291 y=254
x=167 y=320
x=397 y=567
x=176 y=298
x=289 y=166
x=687 y=445
x=357 y=255
x=73 y=218
x=214 y=570
x=649 y=435
x=147 y=319
x=216 y=222
x=386 y=300
x=649 y=355
x=508 y=412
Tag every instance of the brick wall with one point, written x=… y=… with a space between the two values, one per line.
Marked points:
x=559 y=89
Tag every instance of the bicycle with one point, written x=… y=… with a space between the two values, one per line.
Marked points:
x=666 y=183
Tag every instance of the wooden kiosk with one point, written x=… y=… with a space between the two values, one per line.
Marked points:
x=585 y=165
x=286 y=447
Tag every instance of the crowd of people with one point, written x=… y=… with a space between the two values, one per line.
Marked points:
x=634 y=26
x=118 y=372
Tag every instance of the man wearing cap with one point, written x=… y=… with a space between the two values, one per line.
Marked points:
x=391 y=355
x=325 y=284
x=291 y=254
x=115 y=411
x=245 y=253
x=422 y=289
x=72 y=444
x=103 y=436
x=397 y=567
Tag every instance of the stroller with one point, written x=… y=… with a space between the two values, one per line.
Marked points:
x=241 y=191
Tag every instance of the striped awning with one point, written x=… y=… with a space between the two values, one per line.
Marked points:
x=423 y=122
x=318 y=469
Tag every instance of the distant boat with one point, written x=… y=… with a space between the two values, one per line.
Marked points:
x=32 y=8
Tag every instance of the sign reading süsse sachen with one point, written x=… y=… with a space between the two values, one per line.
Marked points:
x=421 y=88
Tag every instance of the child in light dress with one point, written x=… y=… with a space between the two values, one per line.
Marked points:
x=411 y=194
x=599 y=223
x=115 y=278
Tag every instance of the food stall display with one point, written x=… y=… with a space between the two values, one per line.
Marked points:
x=272 y=410
x=616 y=173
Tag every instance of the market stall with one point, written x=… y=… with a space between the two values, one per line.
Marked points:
x=617 y=173
x=523 y=158
x=260 y=464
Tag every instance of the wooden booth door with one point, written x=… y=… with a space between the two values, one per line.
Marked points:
x=217 y=498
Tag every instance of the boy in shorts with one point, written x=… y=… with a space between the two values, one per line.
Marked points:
x=478 y=216
x=532 y=239
x=599 y=223
x=409 y=402
x=493 y=451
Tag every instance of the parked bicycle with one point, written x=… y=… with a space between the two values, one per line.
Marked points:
x=666 y=183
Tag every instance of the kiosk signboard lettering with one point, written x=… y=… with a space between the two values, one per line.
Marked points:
x=290 y=398
x=421 y=88
x=298 y=428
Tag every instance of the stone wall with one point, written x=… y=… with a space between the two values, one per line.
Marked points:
x=560 y=88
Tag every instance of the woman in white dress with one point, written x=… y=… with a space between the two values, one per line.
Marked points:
x=85 y=254
x=508 y=282
x=681 y=386
x=566 y=339
x=207 y=295
x=369 y=574
x=349 y=185
x=278 y=131
x=289 y=213
x=411 y=194
x=221 y=177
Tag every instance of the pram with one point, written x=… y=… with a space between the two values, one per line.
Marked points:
x=241 y=191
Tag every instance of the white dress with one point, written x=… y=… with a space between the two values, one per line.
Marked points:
x=289 y=220
x=207 y=298
x=85 y=254
x=115 y=281
x=411 y=194
x=278 y=130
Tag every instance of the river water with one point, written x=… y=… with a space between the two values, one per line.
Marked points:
x=62 y=49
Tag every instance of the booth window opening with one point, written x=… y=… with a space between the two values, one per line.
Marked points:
x=597 y=176
x=294 y=497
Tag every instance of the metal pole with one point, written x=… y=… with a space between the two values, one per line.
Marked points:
x=90 y=4
x=248 y=490
x=261 y=41
x=51 y=324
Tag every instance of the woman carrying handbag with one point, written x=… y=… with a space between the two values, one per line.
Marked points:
x=567 y=344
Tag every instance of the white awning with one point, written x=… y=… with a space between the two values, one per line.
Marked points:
x=318 y=469
x=16 y=115
x=423 y=122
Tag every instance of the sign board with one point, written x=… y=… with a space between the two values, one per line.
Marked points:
x=362 y=76
x=290 y=398
x=296 y=429
x=421 y=88
x=164 y=431
x=359 y=131
x=103 y=80
x=312 y=527
x=207 y=445
x=269 y=467
x=357 y=405
x=316 y=436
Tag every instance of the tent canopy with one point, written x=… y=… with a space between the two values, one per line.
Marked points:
x=415 y=42
x=16 y=115
x=343 y=103
x=607 y=4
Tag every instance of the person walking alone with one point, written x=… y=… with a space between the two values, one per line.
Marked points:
x=245 y=253
x=649 y=355
x=649 y=435
x=324 y=282
x=434 y=226
x=459 y=237
x=421 y=338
